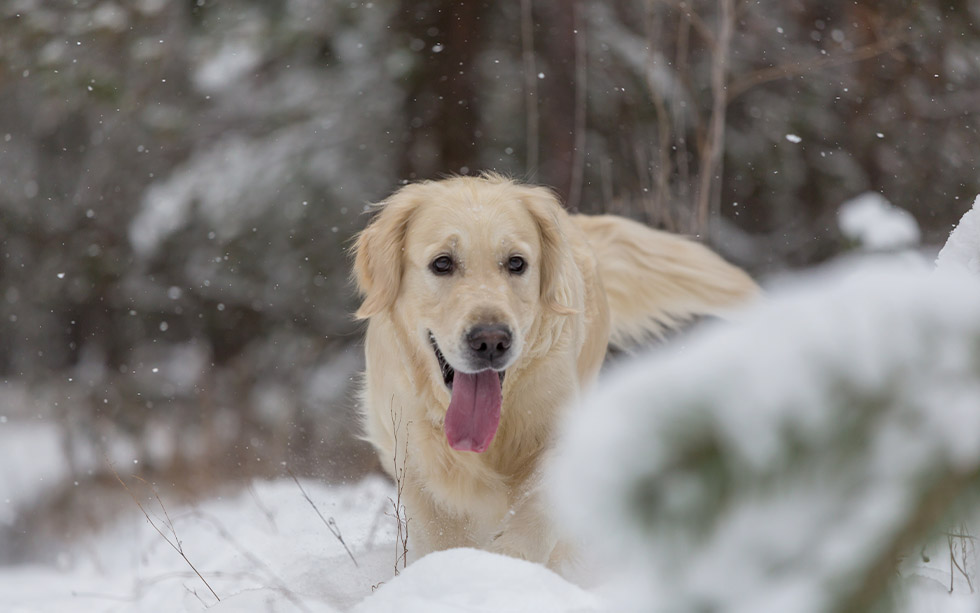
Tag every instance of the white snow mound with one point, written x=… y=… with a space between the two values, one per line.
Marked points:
x=265 y=550
x=477 y=581
x=876 y=224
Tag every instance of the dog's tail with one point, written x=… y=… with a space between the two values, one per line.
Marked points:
x=655 y=280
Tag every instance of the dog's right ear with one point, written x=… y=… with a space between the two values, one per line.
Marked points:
x=378 y=253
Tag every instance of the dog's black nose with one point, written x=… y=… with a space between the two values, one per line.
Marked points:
x=489 y=343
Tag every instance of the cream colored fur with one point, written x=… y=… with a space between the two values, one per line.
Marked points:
x=588 y=280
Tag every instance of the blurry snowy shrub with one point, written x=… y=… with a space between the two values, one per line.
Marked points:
x=785 y=463
x=874 y=224
x=178 y=182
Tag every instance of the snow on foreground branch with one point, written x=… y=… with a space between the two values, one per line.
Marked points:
x=962 y=250
x=787 y=463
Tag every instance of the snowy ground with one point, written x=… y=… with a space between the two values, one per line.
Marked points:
x=266 y=549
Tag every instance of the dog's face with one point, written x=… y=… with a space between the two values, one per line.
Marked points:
x=471 y=283
x=467 y=266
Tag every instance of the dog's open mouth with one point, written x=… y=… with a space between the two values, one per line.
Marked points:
x=473 y=414
x=448 y=372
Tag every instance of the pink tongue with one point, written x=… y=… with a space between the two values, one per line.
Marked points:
x=474 y=410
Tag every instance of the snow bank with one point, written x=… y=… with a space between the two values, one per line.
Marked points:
x=265 y=550
x=876 y=224
x=476 y=581
x=774 y=466
x=962 y=250
x=262 y=550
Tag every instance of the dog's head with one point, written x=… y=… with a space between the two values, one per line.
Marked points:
x=469 y=266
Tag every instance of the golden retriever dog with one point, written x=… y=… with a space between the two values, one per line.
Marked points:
x=489 y=309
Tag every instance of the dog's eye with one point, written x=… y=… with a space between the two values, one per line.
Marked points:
x=442 y=265
x=516 y=265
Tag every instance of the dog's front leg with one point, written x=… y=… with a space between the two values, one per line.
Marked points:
x=527 y=531
x=430 y=527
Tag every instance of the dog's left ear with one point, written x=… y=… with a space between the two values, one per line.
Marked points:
x=560 y=280
x=378 y=253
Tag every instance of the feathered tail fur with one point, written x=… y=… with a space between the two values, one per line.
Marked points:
x=656 y=280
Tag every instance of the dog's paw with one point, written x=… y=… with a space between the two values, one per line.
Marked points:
x=509 y=543
x=503 y=545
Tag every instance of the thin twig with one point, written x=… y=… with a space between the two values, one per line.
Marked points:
x=401 y=521
x=930 y=507
x=176 y=545
x=375 y=525
x=711 y=154
x=963 y=549
x=660 y=211
x=969 y=582
x=953 y=562
x=271 y=576
x=140 y=585
x=196 y=595
x=741 y=85
x=330 y=523
x=680 y=119
x=263 y=508
x=169 y=523
x=694 y=20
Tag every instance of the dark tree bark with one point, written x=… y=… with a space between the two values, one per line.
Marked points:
x=555 y=35
x=443 y=100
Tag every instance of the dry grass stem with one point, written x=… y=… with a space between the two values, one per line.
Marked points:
x=263 y=508
x=270 y=575
x=175 y=543
x=329 y=522
x=966 y=553
x=401 y=520
x=376 y=524
x=714 y=145
x=784 y=71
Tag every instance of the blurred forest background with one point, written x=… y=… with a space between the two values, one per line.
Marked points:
x=179 y=182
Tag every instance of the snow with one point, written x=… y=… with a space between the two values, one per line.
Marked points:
x=764 y=466
x=265 y=549
x=962 y=250
x=49 y=466
x=876 y=224
x=28 y=431
x=263 y=545
x=473 y=580
x=223 y=67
